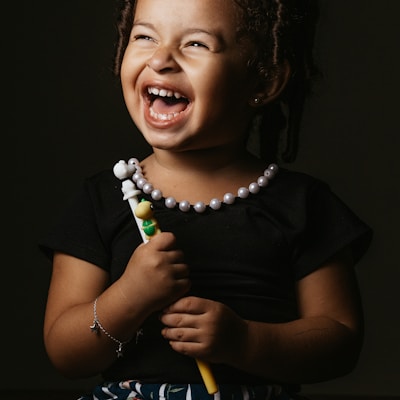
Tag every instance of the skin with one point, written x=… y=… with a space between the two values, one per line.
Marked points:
x=199 y=59
x=193 y=50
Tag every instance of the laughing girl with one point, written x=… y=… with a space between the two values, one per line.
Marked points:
x=252 y=271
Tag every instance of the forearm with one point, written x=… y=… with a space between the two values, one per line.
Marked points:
x=154 y=277
x=78 y=351
x=303 y=351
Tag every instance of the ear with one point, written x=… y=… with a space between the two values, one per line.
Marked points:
x=269 y=89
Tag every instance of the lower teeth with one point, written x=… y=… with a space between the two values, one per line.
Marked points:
x=163 y=117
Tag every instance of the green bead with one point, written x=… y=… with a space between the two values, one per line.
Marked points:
x=149 y=227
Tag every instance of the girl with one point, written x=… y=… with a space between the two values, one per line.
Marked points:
x=252 y=271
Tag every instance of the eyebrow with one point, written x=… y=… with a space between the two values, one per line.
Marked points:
x=199 y=30
x=216 y=35
x=145 y=24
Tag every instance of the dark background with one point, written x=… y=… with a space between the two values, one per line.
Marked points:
x=68 y=121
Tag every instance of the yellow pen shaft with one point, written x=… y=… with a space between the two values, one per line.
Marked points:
x=207 y=375
x=144 y=211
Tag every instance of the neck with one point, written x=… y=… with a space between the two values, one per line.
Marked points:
x=198 y=162
x=200 y=175
x=182 y=189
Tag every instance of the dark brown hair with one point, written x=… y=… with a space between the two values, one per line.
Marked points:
x=283 y=31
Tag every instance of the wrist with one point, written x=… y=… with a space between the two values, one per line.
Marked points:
x=239 y=348
x=131 y=300
x=97 y=328
x=256 y=347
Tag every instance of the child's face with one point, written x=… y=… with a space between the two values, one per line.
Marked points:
x=187 y=50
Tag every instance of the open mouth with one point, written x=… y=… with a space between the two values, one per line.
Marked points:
x=166 y=105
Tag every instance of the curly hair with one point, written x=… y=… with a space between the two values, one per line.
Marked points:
x=284 y=32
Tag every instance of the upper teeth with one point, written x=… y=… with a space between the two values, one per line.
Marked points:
x=164 y=92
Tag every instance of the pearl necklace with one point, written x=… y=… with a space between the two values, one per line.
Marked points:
x=215 y=204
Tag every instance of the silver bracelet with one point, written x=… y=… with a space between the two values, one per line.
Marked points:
x=97 y=327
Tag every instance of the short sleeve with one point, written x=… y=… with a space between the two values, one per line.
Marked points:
x=76 y=232
x=330 y=227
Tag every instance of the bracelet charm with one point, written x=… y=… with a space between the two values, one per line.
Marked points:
x=96 y=327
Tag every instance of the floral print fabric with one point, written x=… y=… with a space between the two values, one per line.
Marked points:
x=134 y=390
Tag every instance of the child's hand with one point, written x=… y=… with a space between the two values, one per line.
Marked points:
x=155 y=275
x=204 y=329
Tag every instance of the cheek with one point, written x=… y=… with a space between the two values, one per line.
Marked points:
x=129 y=79
x=126 y=74
x=130 y=67
x=229 y=82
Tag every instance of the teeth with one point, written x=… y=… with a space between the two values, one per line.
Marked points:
x=164 y=93
x=163 y=117
x=154 y=91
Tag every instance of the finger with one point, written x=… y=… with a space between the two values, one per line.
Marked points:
x=180 y=271
x=179 y=320
x=188 y=305
x=189 y=348
x=164 y=241
x=174 y=256
x=187 y=335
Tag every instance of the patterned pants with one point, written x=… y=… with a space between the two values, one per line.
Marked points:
x=133 y=390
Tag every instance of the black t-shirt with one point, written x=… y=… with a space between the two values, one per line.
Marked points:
x=247 y=255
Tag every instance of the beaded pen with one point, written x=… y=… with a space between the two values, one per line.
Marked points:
x=148 y=227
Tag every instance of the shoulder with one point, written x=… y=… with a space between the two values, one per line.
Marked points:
x=102 y=180
x=298 y=180
x=103 y=187
x=328 y=223
x=296 y=190
x=100 y=198
x=308 y=197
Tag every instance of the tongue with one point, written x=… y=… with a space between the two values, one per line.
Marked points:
x=162 y=107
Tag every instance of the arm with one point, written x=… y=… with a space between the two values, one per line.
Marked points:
x=322 y=344
x=121 y=308
x=325 y=342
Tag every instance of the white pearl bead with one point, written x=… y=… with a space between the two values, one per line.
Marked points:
x=271 y=171
x=184 y=206
x=243 y=193
x=156 y=194
x=273 y=167
x=254 y=188
x=262 y=181
x=229 y=198
x=268 y=173
x=215 y=204
x=137 y=176
x=199 y=207
x=148 y=188
x=170 y=202
x=140 y=183
x=133 y=161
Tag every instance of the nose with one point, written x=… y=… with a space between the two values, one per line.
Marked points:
x=163 y=60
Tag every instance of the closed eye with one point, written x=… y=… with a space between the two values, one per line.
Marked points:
x=143 y=37
x=198 y=44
